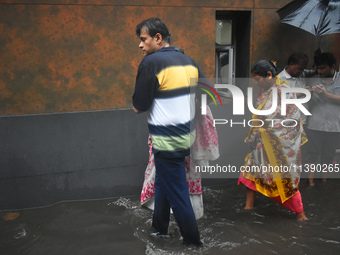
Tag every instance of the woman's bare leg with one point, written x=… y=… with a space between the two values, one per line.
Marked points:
x=250 y=198
x=301 y=216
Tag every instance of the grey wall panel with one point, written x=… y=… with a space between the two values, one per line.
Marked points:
x=53 y=157
x=87 y=155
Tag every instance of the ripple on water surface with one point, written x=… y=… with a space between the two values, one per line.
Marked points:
x=121 y=226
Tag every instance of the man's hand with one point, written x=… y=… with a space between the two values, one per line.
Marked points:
x=308 y=88
x=136 y=110
x=320 y=90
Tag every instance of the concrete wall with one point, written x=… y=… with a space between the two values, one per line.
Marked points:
x=88 y=155
x=52 y=157
x=92 y=155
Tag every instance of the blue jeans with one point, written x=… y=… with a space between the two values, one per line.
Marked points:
x=171 y=190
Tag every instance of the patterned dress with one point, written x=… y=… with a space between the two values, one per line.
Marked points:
x=273 y=165
x=204 y=149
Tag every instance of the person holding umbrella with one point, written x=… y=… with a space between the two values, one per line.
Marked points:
x=323 y=129
x=293 y=73
x=296 y=75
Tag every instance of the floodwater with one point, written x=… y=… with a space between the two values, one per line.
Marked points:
x=120 y=226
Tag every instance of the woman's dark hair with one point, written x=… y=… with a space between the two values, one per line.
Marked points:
x=154 y=26
x=262 y=68
x=326 y=58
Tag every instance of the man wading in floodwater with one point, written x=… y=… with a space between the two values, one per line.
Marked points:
x=163 y=90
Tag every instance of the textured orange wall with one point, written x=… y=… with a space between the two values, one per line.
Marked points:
x=82 y=55
x=62 y=58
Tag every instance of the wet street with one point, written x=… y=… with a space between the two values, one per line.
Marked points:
x=120 y=226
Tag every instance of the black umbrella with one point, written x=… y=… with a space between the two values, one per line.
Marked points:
x=319 y=17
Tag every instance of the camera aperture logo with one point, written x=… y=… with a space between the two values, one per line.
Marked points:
x=208 y=92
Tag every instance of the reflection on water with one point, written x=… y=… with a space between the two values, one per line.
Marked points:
x=121 y=226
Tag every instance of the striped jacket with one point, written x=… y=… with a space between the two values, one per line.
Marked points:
x=165 y=87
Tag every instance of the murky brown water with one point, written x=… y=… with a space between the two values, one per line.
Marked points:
x=120 y=226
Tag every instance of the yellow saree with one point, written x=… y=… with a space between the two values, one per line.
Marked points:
x=274 y=163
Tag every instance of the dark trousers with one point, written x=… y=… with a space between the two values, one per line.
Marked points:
x=171 y=190
x=323 y=144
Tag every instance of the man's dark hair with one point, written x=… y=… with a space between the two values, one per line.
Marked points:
x=326 y=58
x=297 y=58
x=154 y=26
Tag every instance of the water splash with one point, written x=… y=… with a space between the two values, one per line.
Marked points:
x=125 y=202
x=21 y=234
